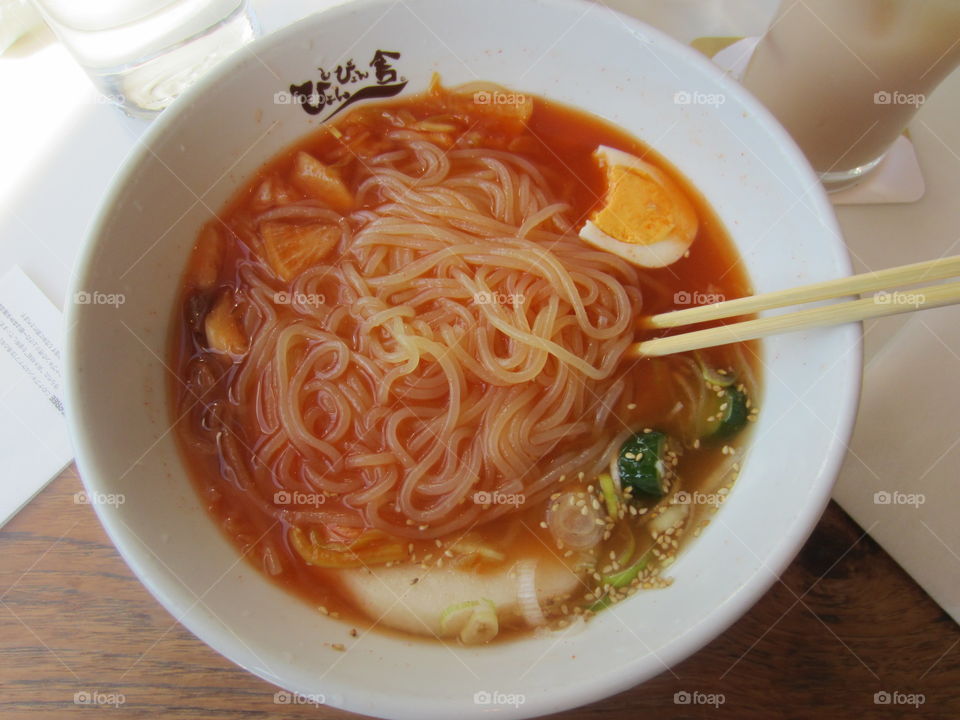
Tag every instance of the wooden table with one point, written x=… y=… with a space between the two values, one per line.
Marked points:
x=843 y=623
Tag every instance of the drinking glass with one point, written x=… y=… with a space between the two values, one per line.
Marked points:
x=141 y=54
x=846 y=76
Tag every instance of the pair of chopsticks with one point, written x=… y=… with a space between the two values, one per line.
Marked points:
x=886 y=301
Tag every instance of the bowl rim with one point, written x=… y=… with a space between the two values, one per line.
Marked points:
x=593 y=688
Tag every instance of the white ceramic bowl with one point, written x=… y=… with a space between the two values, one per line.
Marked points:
x=212 y=139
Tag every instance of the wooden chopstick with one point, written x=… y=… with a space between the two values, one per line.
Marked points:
x=879 y=280
x=879 y=305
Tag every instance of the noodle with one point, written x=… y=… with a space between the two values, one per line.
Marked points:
x=465 y=341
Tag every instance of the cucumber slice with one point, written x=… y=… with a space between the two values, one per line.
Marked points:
x=643 y=466
x=727 y=413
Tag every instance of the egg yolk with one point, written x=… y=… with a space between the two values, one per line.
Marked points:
x=638 y=209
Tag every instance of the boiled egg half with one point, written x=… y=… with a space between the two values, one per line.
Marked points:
x=646 y=218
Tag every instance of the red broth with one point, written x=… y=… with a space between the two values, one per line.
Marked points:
x=559 y=141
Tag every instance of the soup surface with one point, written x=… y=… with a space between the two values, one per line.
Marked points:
x=402 y=385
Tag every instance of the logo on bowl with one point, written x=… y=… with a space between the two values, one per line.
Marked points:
x=347 y=83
